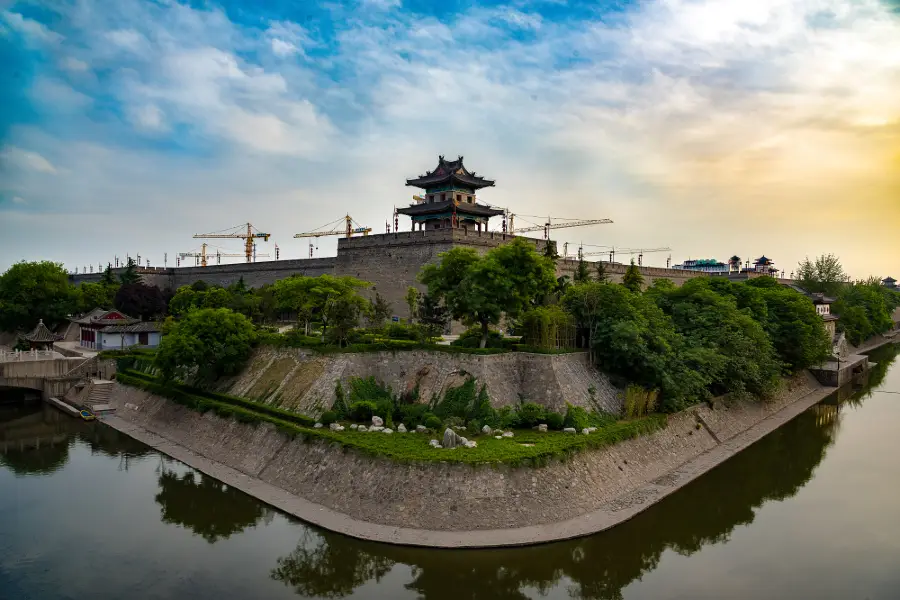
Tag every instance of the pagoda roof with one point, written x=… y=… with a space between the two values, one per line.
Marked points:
x=434 y=208
x=42 y=334
x=889 y=280
x=101 y=316
x=763 y=260
x=450 y=171
x=735 y=258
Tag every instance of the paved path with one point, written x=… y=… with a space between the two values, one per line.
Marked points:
x=613 y=513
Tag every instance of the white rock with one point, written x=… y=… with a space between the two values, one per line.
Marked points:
x=471 y=444
x=592 y=429
x=498 y=437
x=486 y=430
x=452 y=439
x=354 y=426
x=318 y=426
x=586 y=431
x=387 y=430
x=377 y=421
x=376 y=428
x=459 y=428
x=362 y=428
x=508 y=434
x=421 y=428
x=570 y=430
x=434 y=444
x=401 y=428
x=542 y=427
x=335 y=427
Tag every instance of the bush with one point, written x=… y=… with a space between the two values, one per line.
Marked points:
x=362 y=410
x=384 y=408
x=328 y=417
x=639 y=402
x=414 y=414
x=433 y=422
x=531 y=414
x=471 y=338
x=554 y=421
x=576 y=417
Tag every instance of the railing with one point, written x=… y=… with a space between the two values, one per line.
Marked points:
x=25 y=355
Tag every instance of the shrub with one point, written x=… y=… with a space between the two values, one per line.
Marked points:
x=554 y=420
x=328 y=417
x=362 y=410
x=384 y=408
x=576 y=417
x=433 y=422
x=531 y=414
x=457 y=401
x=414 y=414
x=471 y=338
x=639 y=402
x=389 y=421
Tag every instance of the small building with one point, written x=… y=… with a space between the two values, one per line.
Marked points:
x=823 y=309
x=449 y=200
x=103 y=329
x=703 y=265
x=734 y=264
x=763 y=266
x=890 y=283
x=41 y=338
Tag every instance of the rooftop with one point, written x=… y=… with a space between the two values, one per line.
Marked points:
x=41 y=334
x=450 y=171
x=441 y=207
x=101 y=316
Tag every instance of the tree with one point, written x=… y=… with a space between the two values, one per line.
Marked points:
x=184 y=300
x=206 y=344
x=379 y=311
x=633 y=280
x=412 y=297
x=294 y=295
x=108 y=277
x=215 y=297
x=336 y=301
x=432 y=315
x=550 y=251
x=30 y=291
x=479 y=290
x=863 y=309
x=601 y=275
x=96 y=295
x=130 y=274
x=584 y=302
x=140 y=300
x=825 y=274
x=582 y=275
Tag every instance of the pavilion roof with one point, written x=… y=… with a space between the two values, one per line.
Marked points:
x=463 y=208
x=889 y=280
x=450 y=171
x=101 y=316
x=42 y=334
x=140 y=327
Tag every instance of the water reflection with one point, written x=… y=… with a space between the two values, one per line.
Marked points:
x=209 y=508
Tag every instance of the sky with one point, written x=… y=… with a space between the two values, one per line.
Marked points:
x=712 y=127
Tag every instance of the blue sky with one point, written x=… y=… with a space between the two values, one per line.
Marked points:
x=713 y=127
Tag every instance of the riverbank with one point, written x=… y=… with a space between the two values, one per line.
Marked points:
x=456 y=506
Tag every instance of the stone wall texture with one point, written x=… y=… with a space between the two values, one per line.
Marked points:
x=304 y=381
x=451 y=497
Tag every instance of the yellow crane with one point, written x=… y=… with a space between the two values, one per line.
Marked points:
x=203 y=256
x=350 y=229
x=509 y=223
x=233 y=233
x=612 y=251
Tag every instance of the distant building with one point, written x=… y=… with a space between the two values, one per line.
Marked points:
x=762 y=265
x=734 y=264
x=41 y=338
x=890 y=283
x=103 y=329
x=704 y=265
x=823 y=309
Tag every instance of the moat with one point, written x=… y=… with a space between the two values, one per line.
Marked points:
x=810 y=511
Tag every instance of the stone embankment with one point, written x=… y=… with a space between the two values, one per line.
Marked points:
x=304 y=381
x=454 y=505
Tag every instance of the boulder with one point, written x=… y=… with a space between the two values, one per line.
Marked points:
x=401 y=428
x=376 y=428
x=362 y=428
x=387 y=430
x=318 y=426
x=570 y=430
x=451 y=439
x=586 y=431
x=354 y=426
x=336 y=427
x=498 y=437
x=508 y=434
x=486 y=430
x=434 y=444
x=377 y=421
x=471 y=444
x=542 y=427
x=421 y=429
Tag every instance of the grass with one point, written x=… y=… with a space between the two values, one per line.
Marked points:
x=403 y=447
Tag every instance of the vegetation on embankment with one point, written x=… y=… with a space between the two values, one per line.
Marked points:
x=527 y=447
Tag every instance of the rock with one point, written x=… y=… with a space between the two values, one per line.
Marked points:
x=486 y=430
x=387 y=430
x=401 y=428
x=471 y=444
x=434 y=444
x=354 y=426
x=592 y=429
x=459 y=428
x=336 y=427
x=421 y=428
x=318 y=426
x=377 y=421
x=451 y=439
x=376 y=428
x=362 y=428
x=542 y=427
x=508 y=434
x=586 y=431
x=570 y=430
x=498 y=437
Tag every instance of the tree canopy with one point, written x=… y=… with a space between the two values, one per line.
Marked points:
x=30 y=291
x=481 y=289
x=633 y=279
x=140 y=300
x=823 y=274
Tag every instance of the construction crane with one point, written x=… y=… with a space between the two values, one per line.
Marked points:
x=509 y=224
x=350 y=229
x=249 y=237
x=203 y=256
x=612 y=251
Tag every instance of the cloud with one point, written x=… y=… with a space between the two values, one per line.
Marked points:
x=74 y=65
x=148 y=117
x=128 y=39
x=32 y=29
x=18 y=200
x=283 y=48
x=58 y=95
x=19 y=158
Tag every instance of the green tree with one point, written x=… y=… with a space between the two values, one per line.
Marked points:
x=130 y=274
x=30 y=291
x=215 y=297
x=600 y=269
x=379 y=311
x=432 y=315
x=140 y=300
x=96 y=295
x=412 y=297
x=863 y=310
x=184 y=300
x=584 y=302
x=824 y=274
x=633 y=280
x=582 y=274
x=507 y=280
x=294 y=295
x=336 y=301
x=550 y=251
x=205 y=344
x=108 y=277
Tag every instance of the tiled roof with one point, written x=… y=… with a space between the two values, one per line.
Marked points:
x=41 y=334
x=441 y=207
x=95 y=317
x=140 y=327
x=450 y=171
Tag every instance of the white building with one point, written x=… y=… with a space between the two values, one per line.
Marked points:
x=703 y=265
x=113 y=330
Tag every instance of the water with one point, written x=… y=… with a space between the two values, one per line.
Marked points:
x=811 y=511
